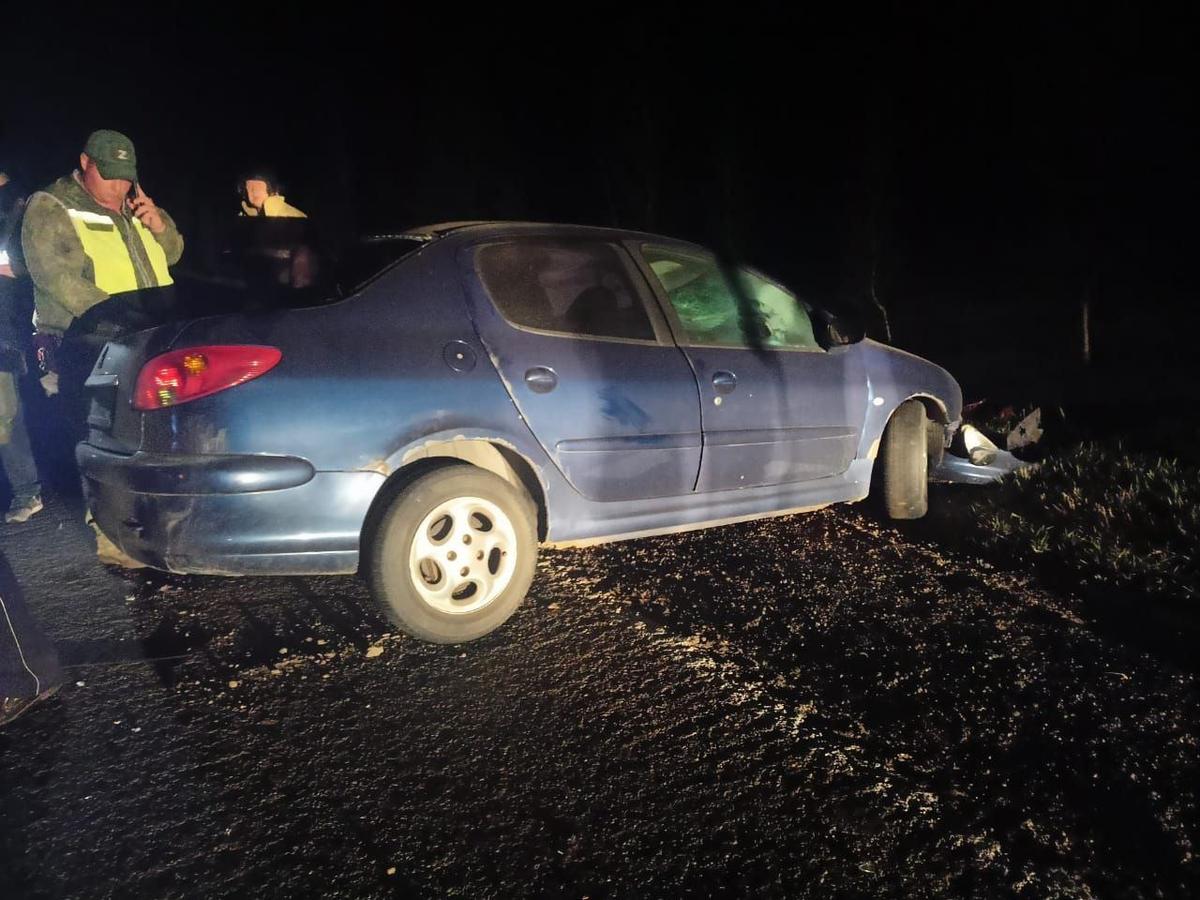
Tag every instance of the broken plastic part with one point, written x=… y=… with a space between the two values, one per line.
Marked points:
x=980 y=450
x=956 y=470
x=1028 y=431
x=985 y=463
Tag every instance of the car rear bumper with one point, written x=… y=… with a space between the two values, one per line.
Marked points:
x=228 y=515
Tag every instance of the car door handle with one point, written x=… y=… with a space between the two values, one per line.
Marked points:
x=724 y=382
x=541 y=380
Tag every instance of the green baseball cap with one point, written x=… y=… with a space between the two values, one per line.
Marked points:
x=113 y=153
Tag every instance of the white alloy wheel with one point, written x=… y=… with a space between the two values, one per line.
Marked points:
x=463 y=555
x=453 y=554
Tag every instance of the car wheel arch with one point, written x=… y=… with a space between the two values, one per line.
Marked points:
x=935 y=410
x=491 y=456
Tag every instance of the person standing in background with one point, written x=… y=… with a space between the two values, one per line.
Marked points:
x=16 y=456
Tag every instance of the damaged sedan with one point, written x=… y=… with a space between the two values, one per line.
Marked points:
x=491 y=388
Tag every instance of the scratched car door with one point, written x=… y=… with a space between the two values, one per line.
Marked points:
x=589 y=362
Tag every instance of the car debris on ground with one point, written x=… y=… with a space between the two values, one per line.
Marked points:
x=974 y=458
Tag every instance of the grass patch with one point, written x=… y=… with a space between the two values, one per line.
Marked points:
x=1112 y=516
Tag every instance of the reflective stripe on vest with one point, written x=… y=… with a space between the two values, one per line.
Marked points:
x=105 y=247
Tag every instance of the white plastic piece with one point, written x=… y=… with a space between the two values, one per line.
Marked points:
x=1027 y=432
x=980 y=450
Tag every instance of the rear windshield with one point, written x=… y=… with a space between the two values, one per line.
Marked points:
x=288 y=264
x=261 y=269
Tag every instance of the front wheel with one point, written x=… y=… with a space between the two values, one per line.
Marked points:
x=454 y=554
x=903 y=464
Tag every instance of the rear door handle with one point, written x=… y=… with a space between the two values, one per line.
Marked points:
x=541 y=380
x=724 y=382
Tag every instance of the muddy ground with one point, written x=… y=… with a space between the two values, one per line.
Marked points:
x=804 y=707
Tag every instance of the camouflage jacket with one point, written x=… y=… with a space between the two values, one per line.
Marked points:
x=63 y=276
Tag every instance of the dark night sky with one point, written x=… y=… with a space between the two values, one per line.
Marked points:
x=996 y=154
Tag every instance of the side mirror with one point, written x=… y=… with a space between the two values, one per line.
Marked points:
x=839 y=331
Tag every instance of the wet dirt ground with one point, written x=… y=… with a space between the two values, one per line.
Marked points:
x=810 y=706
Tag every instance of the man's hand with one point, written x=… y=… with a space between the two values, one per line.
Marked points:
x=49 y=383
x=143 y=207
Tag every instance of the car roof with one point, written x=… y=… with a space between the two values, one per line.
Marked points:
x=500 y=228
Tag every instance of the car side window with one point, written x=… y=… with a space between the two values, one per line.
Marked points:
x=582 y=288
x=758 y=313
x=787 y=323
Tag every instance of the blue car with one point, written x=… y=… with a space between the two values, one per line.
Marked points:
x=489 y=388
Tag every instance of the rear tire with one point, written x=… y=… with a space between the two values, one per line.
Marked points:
x=904 y=463
x=454 y=554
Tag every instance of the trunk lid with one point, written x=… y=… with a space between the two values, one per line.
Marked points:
x=113 y=424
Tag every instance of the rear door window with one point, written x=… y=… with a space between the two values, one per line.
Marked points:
x=581 y=288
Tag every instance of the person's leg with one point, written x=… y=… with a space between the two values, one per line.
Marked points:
x=19 y=466
x=68 y=412
x=75 y=365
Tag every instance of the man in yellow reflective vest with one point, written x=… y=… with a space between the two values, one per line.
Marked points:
x=91 y=237
x=94 y=234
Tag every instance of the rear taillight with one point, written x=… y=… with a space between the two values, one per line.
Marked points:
x=184 y=375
